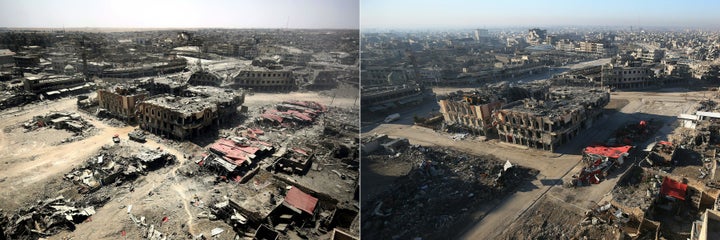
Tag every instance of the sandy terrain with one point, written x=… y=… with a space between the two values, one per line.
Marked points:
x=33 y=165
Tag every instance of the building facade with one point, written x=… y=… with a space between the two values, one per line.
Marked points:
x=187 y=116
x=121 y=101
x=550 y=123
x=472 y=111
x=265 y=80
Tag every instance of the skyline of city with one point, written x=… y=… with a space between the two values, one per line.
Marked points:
x=492 y=14
x=311 y=14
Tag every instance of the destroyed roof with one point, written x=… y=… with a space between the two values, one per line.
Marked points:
x=212 y=94
x=561 y=101
x=298 y=199
x=237 y=154
x=184 y=105
x=611 y=152
x=673 y=188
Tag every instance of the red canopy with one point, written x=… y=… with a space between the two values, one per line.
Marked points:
x=611 y=152
x=673 y=188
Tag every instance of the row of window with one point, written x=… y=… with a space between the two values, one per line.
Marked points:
x=633 y=71
x=285 y=74
x=260 y=82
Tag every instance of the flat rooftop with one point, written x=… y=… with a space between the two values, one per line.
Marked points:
x=184 y=105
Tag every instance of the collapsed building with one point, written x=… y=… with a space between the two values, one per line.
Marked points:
x=292 y=113
x=205 y=78
x=547 y=123
x=46 y=218
x=236 y=157
x=186 y=116
x=59 y=120
x=117 y=163
x=94 y=179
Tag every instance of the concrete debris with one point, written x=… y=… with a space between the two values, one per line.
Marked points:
x=71 y=122
x=117 y=163
x=436 y=192
x=45 y=218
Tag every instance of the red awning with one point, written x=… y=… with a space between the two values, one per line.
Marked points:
x=673 y=188
x=300 y=200
x=611 y=152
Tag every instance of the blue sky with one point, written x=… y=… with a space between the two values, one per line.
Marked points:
x=473 y=14
x=180 y=13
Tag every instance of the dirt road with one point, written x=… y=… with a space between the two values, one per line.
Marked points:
x=662 y=105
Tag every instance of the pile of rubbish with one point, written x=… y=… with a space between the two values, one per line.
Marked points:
x=633 y=133
x=440 y=192
x=59 y=120
x=117 y=163
x=292 y=113
x=46 y=218
x=637 y=190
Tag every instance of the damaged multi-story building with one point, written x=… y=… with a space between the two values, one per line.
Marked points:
x=548 y=123
x=386 y=98
x=472 y=110
x=264 y=79
x=120 y=101
x=187 y=115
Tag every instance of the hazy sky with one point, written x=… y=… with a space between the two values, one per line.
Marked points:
x=180 y=13
x=475 y=14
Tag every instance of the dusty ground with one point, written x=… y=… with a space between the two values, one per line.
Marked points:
x=33 y=165
x=555 y=168
x=443 y=189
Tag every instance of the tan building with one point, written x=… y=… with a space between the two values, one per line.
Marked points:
x=472 y=110
x=625 y=77
x=262 y=79
x=556 y=120
x=591 y=47
x=188 y=115
x=121 y=101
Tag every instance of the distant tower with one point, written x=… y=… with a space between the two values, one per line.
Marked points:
x=83 y=55
x=481 y=34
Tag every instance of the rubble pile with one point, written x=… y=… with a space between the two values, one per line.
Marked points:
x=292 y=114
x=112 y=164
x=552 y=219
x=117 y=163
x=440 y=192
x=72 y=122
x=637 y=189
x=45 y=218
x=634 y=133
x=320 y=160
